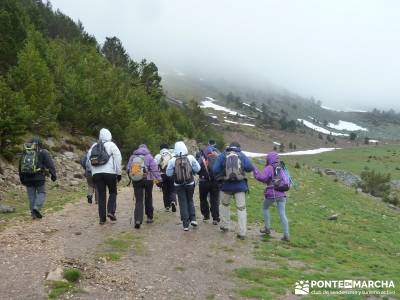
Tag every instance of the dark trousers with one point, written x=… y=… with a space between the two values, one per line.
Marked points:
x=209 y=188
x=168 y=190
x=102 y=181
x=143 y=190
x=186 y=205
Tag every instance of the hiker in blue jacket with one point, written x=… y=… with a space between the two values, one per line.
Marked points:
x=233 y=164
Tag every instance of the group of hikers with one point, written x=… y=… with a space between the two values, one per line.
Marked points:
x=221 y=177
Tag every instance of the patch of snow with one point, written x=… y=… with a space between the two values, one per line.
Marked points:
x=244 y=103
x=374 y=141
x=320 y=129
x=245 y=124
x=214 y=117
x=349 y=126
x=257 y=109
x=276 y=143
x=344 y=110
x=302 y=152
x=209 y=103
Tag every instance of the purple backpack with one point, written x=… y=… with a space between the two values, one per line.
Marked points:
x=281 y=180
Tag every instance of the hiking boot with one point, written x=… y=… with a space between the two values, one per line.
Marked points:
x=137 y=226
x=112 y=217
x=223 y=229
x=205 y=219
x=215 y=222
x=241 y=237
x=265 y=231
x=89 y=199
x=173 y=205
x=167 y=209
x=149 y=221
x=37 y=213
x=193 y=223
x=285 y=239
x=102 y=222
x=185 y=228
x=33 y=216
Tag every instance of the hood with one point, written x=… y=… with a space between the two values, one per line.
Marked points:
x=180 y=149
x=105 y=135
x=142 y=150
x=272 y=158
x=209 y=149
x=164 y=150
x=234 y=146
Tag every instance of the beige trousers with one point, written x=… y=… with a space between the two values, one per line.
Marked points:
x=225 y=211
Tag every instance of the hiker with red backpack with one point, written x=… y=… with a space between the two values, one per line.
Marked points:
x=167 y=183
x=143 y=170
x=104 y=163
x=233 y=165
x=182 y=168
x=208 y=185
x=32 y=172
x=278 y=181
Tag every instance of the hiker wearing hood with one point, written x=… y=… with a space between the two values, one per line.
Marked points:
x=143 y=170
x=106 y=175
x=208 y=184
x=167 y=183
x=35 y=181
x=182 y=168
x=233 y=163
x=271 y=195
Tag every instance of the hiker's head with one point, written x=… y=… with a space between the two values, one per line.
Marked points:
x=234 y=146
x=36 y=140
x=272 y=158
x=143 y=146
x=164 y=146
x=212 y=143
x=105 y=135
x=180 y=148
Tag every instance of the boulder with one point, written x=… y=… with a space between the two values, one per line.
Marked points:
x=69 y=155
x=330 y=172
x=333 y=217
x=74 y=183
x=55 y=275
x=4 y=209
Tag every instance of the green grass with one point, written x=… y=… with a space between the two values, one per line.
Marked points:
x=56 y=199
x=59 y=288
x=114 y=248
x=382 y=159
x=364 y=243
x=72 y=275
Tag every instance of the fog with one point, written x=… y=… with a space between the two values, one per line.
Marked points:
x=342 y=52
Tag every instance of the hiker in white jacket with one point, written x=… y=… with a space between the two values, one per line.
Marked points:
x=107 y=176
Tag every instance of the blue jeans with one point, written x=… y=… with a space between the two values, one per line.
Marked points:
x=280 y=202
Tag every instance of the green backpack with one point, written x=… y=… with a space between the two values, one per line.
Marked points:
x=29 y=159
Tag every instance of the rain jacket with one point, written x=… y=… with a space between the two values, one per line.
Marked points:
x=181 y=149
x=233 y=186
x=265 y=176
x=113 y=166
x=149 y=162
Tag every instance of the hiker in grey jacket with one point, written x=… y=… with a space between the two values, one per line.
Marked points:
x=184 y=182
x=106 y=176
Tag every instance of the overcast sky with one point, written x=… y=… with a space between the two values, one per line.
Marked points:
x=343 y=52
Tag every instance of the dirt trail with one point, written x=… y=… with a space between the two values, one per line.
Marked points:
x=164 y=262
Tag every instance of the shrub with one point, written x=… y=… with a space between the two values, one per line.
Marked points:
x=376 y=184
x=297 y=165
x=72 y=275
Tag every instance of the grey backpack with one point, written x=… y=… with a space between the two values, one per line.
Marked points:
x=183 y=173
x=233 y=167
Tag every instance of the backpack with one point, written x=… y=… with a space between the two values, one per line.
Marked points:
x=233 y=167
x=99 y=155
x=209 y=162
x=165 y=158
x=281 y=181
x=29 y=159
x=183 y=172
x=137 y=171
x=83 y=161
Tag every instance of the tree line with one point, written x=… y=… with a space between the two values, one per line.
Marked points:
x=53 y=75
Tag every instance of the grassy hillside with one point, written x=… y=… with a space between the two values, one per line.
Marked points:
x=363 y=243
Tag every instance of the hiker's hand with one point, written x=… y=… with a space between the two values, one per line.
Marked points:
x=53 y=178
x=119 y=177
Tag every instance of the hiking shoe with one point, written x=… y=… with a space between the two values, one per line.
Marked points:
x=205 y=219
x=37 y=213
x=33 y=216
x=193 y=223
x=112 y=217
x=149 y=221
x=223 y=229
x=102 y=222
x=285 y=239
x=173 y=205
x=241 y=237
x=185 y=228
x=215 y=222
x=167 y=209
x=89 y=199
x=265 y=231
x=137 y=226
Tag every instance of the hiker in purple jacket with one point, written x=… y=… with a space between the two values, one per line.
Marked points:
x=143 y=187
x=272 y=195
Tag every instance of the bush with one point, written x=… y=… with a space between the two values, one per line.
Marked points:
x=297 y=165
x=376 y=184
x=72 y=275
x=392 y=198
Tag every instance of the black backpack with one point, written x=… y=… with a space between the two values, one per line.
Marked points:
x=99 y=155
x=183 y=173
x=29 y=160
